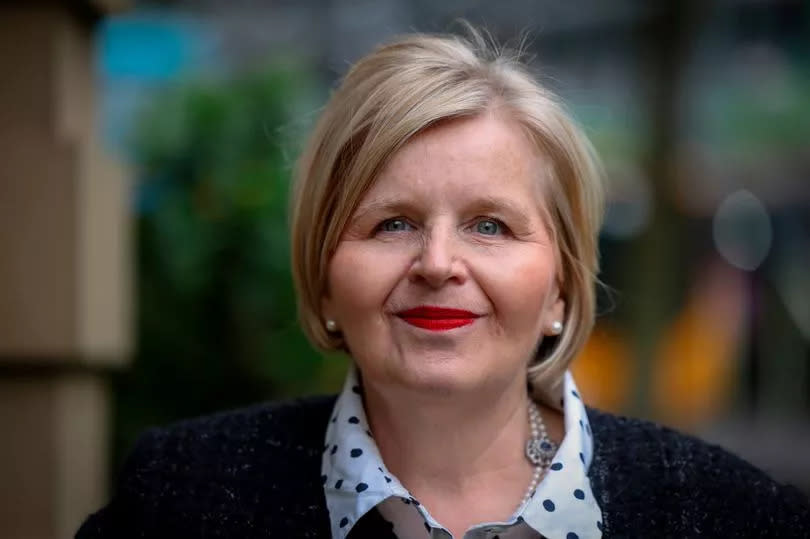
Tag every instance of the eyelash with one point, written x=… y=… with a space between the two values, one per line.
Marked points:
x=380 y=227
x=504 y=229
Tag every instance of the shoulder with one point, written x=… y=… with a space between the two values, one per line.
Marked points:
x=262 y=438
x=655 y=476
x=295 y=426
x=240 y=473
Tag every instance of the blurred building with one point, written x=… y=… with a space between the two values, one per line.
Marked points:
x=65 y=262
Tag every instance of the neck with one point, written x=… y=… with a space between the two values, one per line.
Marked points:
x=463 y=456
x=450 y=437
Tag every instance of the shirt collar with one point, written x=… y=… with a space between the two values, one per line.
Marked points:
x=355 y=479
x=563 y=503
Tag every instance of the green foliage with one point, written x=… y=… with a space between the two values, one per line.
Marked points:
x=216 y=319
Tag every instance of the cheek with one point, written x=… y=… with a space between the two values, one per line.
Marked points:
x=358 y=284
x=520 y=291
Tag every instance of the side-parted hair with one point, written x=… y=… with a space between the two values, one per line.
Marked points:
x=398 y=91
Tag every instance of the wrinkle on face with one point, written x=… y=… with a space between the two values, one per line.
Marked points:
x=441 y=183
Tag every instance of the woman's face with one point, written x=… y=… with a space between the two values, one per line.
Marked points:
x=444 y=279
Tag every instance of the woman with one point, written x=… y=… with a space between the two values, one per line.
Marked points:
x=444 y=235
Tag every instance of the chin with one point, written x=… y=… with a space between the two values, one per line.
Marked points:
x=443 y=375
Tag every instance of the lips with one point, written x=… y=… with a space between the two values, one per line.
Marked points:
x=437 y=318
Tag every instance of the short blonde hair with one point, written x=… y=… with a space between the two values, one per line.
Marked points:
x=393 y=94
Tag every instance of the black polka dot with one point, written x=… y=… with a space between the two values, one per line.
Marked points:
x=572 y=535
x=361 y=487
x=343 y=522
x=354 y=420
x=334 y=419
x=357 y=390
x=339 y=483
x=557 y=466
x=579 y=495
x=379 y=468
x=520 y=519
x=334 y=449
x=323 y=479
x=406 y=501
x=549 y=505
x=387 y=479
x=356 y=453
x=599 y=525
x=427 y=527
x=574 y=393
x=369 y=433
x=582 y=458
x=413 y=500
x=581 y=424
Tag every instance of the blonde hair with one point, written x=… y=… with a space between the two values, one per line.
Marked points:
x=393 y=94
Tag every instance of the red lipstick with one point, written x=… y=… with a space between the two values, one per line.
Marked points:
x=437 y=318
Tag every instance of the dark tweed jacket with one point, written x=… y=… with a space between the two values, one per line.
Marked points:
x=256 y=473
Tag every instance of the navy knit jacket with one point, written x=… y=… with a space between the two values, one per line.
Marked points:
x=256 y=473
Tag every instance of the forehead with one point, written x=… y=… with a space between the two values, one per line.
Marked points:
x=460 y=159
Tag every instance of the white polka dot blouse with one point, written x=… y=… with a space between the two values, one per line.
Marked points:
x=356 y=481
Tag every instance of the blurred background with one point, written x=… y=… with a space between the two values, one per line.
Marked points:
x=147 y=152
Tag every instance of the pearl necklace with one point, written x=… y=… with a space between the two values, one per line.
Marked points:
x=540 y=449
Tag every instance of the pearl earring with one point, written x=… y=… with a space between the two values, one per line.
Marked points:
x=331 y=326
x=556 y=327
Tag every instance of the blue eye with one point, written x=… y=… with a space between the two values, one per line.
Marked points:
x=394 y=225
x=488 y=227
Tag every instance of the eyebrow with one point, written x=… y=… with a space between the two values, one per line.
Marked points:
x=519 y=215
x=384 y=204
x=496 y=204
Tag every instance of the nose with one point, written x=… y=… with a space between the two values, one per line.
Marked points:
x=438 y=260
